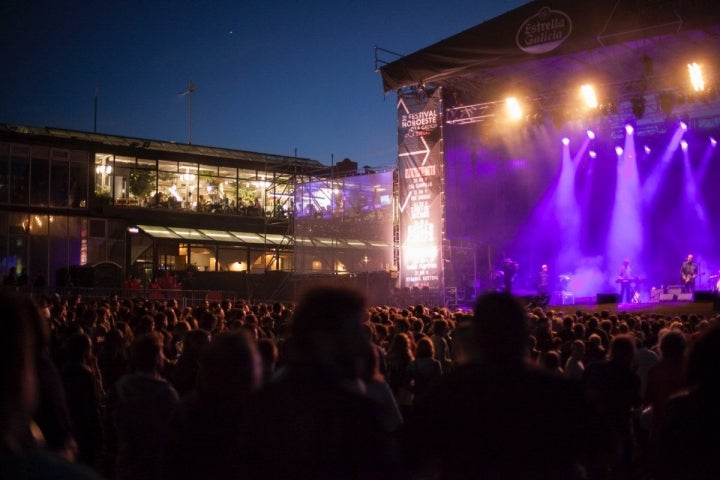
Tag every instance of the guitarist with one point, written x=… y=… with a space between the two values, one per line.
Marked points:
x=624 y=278
x=688 y=272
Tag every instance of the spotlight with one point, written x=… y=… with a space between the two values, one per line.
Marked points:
x=713 y=142
x=696 y=77
x=683 y=125
x=513 y=108
x=591 y=135
x=587 y=92
x=638 y=106
x=618 y=150
x=566 y=141
x=684 y=145
x=629 y=129
x=647 y=150
x=592 y=153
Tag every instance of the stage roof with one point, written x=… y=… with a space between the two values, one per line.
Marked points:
x=545 y=45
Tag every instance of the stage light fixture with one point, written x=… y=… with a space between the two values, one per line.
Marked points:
x=638 y=106
x=618 y=150
x=684 y=145
x=696 y=77
x=713 y=142
x=629 y=129
x=566 y=141
x=591 y=135
x=647 y=150
x=587 y=92
x=592 y=153
x=513 y=108
x=683 y=125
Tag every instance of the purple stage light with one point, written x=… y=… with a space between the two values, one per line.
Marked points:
x=629 y=129
x=647 y=150
x=593 y=154
x=683 y=125
x=619 y=150
x=713 y=142
x=566 y=141
x=591 y=134
x=684 y=145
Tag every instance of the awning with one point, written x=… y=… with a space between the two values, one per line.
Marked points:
x=214 y=236
x=199 y=235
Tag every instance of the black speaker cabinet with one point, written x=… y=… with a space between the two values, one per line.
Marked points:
x=607 y=298
x=703 y=296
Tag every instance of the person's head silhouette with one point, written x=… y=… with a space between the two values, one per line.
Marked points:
x=501 y=331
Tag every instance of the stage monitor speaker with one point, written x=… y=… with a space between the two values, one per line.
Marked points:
x=704 y=296
x=607 y=298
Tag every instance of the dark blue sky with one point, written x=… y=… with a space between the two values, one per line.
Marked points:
x=281 y=77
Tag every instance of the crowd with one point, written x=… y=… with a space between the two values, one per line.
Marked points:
x=140 y=388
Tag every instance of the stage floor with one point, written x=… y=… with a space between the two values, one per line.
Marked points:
x=707 y=309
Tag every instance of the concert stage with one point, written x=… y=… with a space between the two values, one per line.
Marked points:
x=706 y=308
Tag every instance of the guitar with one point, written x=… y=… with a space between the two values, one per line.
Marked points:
x=689 y=277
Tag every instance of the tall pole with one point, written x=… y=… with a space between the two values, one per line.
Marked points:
x=190 y=89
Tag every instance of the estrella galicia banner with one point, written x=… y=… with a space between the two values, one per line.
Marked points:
x=420 y=189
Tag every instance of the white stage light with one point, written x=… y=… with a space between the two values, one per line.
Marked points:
x=629 y=129
x=566 y=141
x=619 y=150
x=513 y=108
x=591 y=134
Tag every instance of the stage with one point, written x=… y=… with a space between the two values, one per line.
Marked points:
x=673 y=308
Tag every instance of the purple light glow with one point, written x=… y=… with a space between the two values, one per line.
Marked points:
x=629 y=129
x=619 y=150
x=591 y=135
x=566 y=141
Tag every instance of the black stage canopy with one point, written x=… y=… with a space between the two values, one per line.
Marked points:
x=553 y=43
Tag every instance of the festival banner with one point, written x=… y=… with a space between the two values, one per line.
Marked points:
x=420 y=187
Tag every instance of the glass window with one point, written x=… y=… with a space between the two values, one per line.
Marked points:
x=19 y=180
x=40 y=179
x=78 y=184
x=60 y=180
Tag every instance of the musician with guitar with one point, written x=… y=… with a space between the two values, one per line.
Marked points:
x=688 y=272
x=624 y=279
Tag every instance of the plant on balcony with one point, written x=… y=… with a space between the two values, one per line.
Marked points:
x=140 y=183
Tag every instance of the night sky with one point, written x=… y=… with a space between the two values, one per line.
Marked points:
x=281 y=77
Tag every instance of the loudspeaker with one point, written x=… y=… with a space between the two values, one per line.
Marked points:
x=607 y=298
x=704 y=296
x=82 y=275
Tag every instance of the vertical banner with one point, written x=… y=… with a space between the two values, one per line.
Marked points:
x=420 y=188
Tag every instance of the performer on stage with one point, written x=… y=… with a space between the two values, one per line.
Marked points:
x=510 y=268
x=543 y=287
x=688 y=272
x=624 y=279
